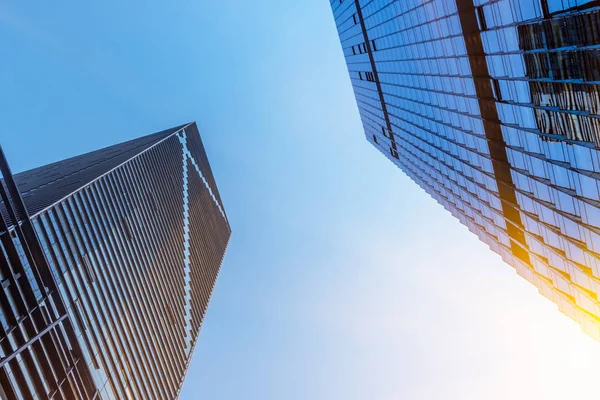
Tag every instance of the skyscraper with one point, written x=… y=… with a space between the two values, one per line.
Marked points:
x=492 y=107
x=108 y=261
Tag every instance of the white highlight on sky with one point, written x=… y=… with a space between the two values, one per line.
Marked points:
x=187 y=156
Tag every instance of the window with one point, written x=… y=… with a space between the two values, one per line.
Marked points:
x=496 y=89
x=152 y=201
x=551 y=7
x=126 y=228
x=88 y=269
x=95 y=362
x=78 y=313
x=481 y=19
x=170 y=313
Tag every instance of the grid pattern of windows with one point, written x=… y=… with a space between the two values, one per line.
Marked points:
x=492 y=107
x=131 y=257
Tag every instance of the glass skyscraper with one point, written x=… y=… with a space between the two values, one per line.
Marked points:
x=493 y=108
x=107 y=264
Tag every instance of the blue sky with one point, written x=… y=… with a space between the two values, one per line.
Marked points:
x=343 y=279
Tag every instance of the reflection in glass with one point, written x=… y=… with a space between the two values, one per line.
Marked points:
x=493 y=107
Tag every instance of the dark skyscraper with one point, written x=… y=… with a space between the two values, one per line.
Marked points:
x=492 y=107
x=108 y=261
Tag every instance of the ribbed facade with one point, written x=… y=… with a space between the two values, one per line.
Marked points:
x=111 y=305
x=493 y=107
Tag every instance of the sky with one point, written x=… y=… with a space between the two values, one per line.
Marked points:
x=343 y=279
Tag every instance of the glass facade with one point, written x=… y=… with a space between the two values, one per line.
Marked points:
x=493 y=108
x=108 y=261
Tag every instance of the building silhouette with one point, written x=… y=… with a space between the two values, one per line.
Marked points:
x=492 y=107
x=108 y=261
